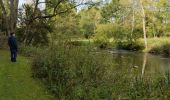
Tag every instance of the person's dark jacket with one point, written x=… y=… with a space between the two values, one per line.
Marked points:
x=12 y=43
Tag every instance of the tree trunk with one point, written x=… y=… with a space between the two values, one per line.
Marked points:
x=16 y=14
x=6 y=19
x=11 y=20
x=12 y=15
x=28 y=24
x=144 y=64
x=133 y=20
x=144 y=25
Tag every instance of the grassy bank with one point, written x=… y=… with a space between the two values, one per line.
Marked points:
x=16 y=82
x=73 y=73
x=159 y=46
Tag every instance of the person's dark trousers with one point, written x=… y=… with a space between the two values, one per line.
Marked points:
x=13 y=55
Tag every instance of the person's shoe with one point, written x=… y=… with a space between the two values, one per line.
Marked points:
x=13 y=60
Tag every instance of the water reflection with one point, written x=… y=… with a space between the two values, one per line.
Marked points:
x=143 y=64
x=165 y=70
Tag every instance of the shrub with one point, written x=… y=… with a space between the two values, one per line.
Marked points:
x=29 y=51
x=162 y=49
x=75 y=43
x=3 y=41
x=103 y=34
x=155 y=49
x=134 y=46
x=103 y=43
x=166 y=50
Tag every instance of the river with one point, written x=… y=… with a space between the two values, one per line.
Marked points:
x=145 y=64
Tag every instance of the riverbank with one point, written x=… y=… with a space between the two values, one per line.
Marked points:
x=76 y=72
x=159 y=46
x=82 y=72
x=156 y=46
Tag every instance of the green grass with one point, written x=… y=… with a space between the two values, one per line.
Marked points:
x=77 y=73
x=159 y=46
x=153 y=42
x=16 y=82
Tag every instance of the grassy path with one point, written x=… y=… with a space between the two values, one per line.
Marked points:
x=16 y=82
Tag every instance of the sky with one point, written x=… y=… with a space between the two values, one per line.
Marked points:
x=28 y=1
x=41 y=6
x=21 y=2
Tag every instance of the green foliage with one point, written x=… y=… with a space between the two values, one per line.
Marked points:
x=111 y=11
x=29 y=51
x=102 y=43
x=89 y=18
x=2 y=24
x=166 y=50
x=67 y=25
x=163 y=49
x=3 y=41
x=121 y=34
x=103 y=35
x=33 y=32
x=72 y=72
x=134 y=46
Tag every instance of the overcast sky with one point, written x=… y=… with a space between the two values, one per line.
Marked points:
x=21 y=2
x=29 y=1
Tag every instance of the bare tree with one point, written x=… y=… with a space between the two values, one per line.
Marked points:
x=144 y=24
x=133 y=18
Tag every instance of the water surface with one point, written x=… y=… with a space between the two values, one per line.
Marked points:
x=143 y=64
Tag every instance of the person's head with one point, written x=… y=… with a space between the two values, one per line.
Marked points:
x=12 y=34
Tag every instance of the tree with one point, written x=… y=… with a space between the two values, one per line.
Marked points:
x=1 y=20
x=38 y=29
x=52 y=9
x=66 y=26
x=89 y=18
x=144 y=24
x=11 y=16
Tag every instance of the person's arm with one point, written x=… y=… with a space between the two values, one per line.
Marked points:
x=15 y=44
x=9 y=42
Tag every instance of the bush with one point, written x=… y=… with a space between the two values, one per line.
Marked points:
x=166 y=50
x=3 y=41
x=29 y=51
x=162 y=49
x=101 y=40
x=103 y=43
x=103 y=34
x=134 y=46
x=155 y=50
x=75 y=43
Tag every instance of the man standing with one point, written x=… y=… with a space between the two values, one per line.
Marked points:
x=13 y=46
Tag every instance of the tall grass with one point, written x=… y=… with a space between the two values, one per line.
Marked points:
x=159 y=46
x=29 y=51
x=73 y=73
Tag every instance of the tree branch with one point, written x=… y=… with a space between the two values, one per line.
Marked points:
x=54 y=12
